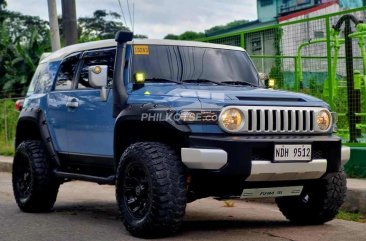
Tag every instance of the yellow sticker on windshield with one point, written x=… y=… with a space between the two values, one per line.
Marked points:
x=141 y=50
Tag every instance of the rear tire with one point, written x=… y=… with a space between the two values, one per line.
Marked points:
x=318 y=203
x=151 y=190
x=34 y=185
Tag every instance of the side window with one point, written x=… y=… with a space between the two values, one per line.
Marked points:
x=43 y=78
x=67 y=72
x=101 y=57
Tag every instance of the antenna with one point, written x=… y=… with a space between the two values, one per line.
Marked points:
x=123 y=15
x=129 y=13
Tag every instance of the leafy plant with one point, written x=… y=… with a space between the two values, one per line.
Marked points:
x=8 y=119
x=102 y=25
x=277 y=70
x=191 y=35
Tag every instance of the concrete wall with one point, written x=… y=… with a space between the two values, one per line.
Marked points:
x=295 y=35
x=267 y=10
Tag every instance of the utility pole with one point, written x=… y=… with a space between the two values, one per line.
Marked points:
x=55 y=33
x=69 y=22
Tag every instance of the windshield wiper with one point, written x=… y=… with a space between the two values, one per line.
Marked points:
x=162 y=80
x=201 y=81
x=238 y=83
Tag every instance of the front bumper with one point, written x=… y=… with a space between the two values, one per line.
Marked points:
x=250 y=157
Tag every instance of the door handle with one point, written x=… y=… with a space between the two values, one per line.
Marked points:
x=72 y=103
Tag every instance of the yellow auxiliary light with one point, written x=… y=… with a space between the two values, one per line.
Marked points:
x=139 y=78
x=271 y=83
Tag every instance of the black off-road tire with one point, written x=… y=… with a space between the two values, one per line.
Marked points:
x=318 y=203
x=151 y=190
x=34 y=185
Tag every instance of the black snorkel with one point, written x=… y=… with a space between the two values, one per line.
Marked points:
x=119 y=89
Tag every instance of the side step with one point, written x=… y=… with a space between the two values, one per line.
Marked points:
x=81 y=177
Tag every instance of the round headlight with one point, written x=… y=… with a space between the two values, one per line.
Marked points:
x=323 y=120
x=231 y=119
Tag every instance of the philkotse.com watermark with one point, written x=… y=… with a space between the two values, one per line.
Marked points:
x=185 y=116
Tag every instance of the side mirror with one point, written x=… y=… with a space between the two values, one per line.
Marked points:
x=263 y=79
x=98 y=75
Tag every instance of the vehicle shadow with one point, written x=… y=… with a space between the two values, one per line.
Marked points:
x=200 y=221
x=89 y=209
x=205 y=225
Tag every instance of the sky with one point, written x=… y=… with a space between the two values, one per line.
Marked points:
x=156 y=18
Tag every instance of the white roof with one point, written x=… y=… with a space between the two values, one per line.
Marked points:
x=62 y=53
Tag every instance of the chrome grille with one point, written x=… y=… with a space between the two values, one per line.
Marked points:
x=268 y=119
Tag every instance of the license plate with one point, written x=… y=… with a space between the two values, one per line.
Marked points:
x=272 y=192
x=292 y=153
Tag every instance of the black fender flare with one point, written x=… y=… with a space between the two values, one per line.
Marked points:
x=37 y=117
x=133 y=113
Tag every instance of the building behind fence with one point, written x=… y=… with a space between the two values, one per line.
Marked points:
x=302 y=52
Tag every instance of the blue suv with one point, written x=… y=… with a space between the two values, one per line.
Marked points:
x=169 y=122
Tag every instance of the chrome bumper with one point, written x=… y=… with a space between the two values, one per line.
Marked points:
x=215 y=159
x=208 y=159
x=346 y=154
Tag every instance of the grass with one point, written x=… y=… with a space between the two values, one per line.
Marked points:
x=349 y=216
x=6 y=149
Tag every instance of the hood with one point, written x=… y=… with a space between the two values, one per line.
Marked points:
x=217 y=96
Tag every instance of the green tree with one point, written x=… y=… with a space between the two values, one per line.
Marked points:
x=140 y=36
x=2 y=8
x=172 y=36
x=191 y=35
x=3 y=4
x=23 y=39
x=20 y=63
x=230 y=25
x=102 y=25
x=188 y=35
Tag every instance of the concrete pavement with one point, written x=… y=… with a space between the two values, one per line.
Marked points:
x=87 y=211
x=5 y=163
x=355 y=202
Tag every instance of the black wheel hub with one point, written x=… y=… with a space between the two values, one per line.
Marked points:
x=23 y=178
x=136 y=190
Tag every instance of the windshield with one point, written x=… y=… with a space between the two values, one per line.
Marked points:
x=193 y=64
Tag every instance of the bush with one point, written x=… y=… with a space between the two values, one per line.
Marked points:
x=8 y=120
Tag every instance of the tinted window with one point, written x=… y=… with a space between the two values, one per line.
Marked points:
x=191 y=63
x=102 y=57
x=67 y=72
x=43 y=78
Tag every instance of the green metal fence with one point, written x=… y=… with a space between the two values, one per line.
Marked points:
x=308 y=55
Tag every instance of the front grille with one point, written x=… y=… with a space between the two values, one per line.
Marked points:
x=262 y=120
x=279 y=120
